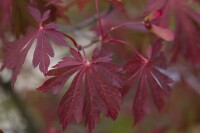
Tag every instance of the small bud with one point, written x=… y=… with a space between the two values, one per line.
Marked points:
x=153 y=15
x=147 y=24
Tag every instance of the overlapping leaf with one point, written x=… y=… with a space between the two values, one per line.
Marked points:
x=151 y=81
x=187 y=24
x=16 y=51
x=102 y=81
x=187 y=41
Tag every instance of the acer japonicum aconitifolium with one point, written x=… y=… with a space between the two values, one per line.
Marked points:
x=102 y=83
x=98 y=86
x=151 y=81
x=16 y=51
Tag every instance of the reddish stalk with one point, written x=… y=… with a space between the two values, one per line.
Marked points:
x=104 y=36
x=99 y=20
x=73 y=41
x=126 y=44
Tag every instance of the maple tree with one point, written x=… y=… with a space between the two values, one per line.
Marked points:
x=98 y=84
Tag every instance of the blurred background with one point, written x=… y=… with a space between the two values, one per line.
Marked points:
x=23 y=109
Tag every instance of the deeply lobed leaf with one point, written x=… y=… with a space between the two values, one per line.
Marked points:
x=102 y=83
x=17 y=51
x=151 y=81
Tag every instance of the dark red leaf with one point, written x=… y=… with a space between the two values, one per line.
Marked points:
x=102 y=81
x=16 y=51
x=36 y=14
x=151 y=81
x=141 y=105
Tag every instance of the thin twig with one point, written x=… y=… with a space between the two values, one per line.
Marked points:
x=99 y=19
x=91 y=43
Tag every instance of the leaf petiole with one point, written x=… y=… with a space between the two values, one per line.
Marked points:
x=99 y=20
x=126 y=44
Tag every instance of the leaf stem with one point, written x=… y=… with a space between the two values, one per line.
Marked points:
x=72 y=39
x=99 y=20
x=126 y=44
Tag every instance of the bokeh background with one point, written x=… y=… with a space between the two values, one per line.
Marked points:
x=23 y=109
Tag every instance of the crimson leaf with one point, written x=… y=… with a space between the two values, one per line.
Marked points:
x=16 y=51
x=151 y=80
x=102 y=81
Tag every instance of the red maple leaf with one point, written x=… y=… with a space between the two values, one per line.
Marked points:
x=187 y=30
x=16 y=51
x=102 y=81
x=151 y=81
